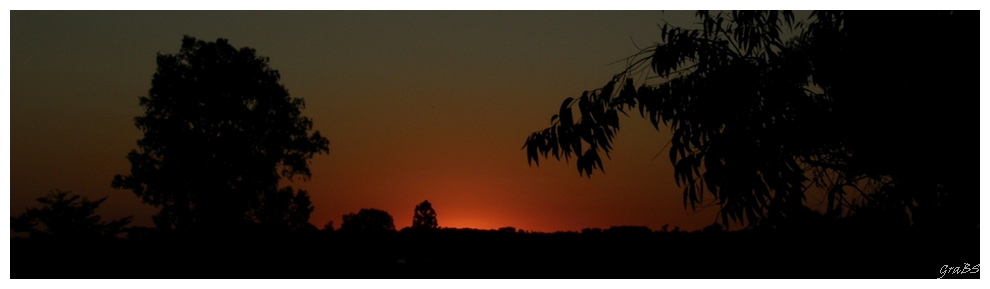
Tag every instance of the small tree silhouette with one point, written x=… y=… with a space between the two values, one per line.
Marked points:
x=368 y=220
x=67 y=217
x=328 y=227
x=425 y=216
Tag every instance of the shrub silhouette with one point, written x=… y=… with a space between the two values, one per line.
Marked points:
x=67 y=216
x=368 y=220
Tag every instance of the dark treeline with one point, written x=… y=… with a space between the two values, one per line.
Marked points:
x=367 y=245
x=472 y=253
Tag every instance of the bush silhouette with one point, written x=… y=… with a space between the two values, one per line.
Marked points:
x=368 y=220
x=67 y=216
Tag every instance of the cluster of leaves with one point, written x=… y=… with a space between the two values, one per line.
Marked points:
x=68 y=216
x=757 y=121
x=596 y=127
x=219 y=134
x=730 y=90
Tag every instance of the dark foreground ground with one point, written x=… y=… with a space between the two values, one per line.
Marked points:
x=491 y=254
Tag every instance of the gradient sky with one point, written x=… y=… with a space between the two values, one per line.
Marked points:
x=416 y=105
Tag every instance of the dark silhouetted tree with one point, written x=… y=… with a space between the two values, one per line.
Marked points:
x=368 y=220
x=285 y=209
x=219 y=134
x=328 y=226
x=757 y=120
x=67 y=216
x=424 y=216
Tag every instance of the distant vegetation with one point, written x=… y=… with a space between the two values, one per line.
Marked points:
x=425 y=217
x=67 y=216
x=368 y=246
x=368 y=220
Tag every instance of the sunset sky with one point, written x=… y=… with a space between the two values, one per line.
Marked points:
x=416 y=106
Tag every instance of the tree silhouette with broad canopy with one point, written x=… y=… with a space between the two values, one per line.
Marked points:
x=368 y=220
x=220 y=132
x=67 y=216
x=424 y=216
x=858 y=106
